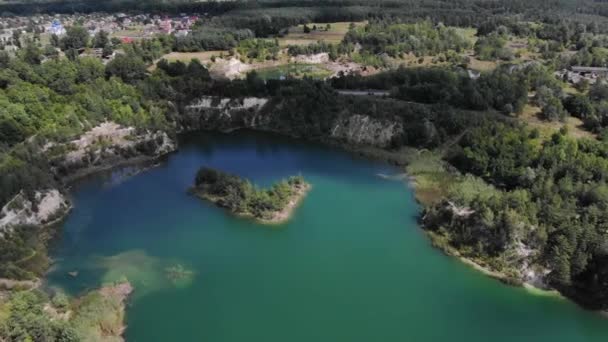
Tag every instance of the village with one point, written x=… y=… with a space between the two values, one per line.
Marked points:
x=123 y=28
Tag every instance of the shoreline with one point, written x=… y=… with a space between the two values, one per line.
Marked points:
x=451 y=252
x=287 y=212
x=397 y=158
x=146 y=163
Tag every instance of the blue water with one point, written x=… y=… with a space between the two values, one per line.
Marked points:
x=351 y=265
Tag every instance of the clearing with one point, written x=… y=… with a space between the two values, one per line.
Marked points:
x=531 y=116
x=316 y=71
x=335 y=34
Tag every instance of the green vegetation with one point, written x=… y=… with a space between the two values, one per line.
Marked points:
x=211 y=38
x=97 y=316
x=57 y=101
x=243 y=198
x=24 y=253
x=259 y=49
x=500 y=89
x=395 y=39
x=293 y=71
x=24 y=319
x=547 y=199
x=492 y=47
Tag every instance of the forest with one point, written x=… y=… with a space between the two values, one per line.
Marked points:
x=511 y=193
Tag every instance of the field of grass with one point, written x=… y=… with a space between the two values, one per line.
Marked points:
x=335 y=34
x=203 y=56
x=430 y=177
x=294 y=70
x=531 y=116
x=479 y=65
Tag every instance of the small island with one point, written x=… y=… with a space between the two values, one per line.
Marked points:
x=272 y=205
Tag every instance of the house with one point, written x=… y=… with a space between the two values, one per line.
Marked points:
x=577 y=74
x=181 y=33
x=56 y=28
x=166 y=26
x=6 y=38
x=590 y=71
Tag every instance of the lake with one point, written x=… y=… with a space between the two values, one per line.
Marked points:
x=351 y=265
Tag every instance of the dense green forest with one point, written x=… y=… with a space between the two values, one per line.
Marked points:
x=548 y=196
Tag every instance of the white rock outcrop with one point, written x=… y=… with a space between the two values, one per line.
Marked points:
x=362 y=129
x=47 y=206
x=318 y=58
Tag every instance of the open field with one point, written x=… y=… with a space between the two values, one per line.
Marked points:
x=531 y=116
x=480 y=65
x=294 y=70
x=335 y=34
x=203 y=56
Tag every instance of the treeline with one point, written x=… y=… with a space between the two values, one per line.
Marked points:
x=395 y=39
x=208 y=38
x=85 y=6
x=503 y=89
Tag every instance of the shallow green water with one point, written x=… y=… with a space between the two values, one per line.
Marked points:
x=352 y=265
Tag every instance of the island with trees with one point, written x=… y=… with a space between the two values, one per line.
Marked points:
x=272 y=205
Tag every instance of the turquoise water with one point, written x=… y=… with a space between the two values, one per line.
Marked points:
x=352 y=264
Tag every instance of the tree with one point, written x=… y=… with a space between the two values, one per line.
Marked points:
x=55 y=41
x=76 y=37
x=17 y=38
x=89 y=69
x=107 y=51
x=579 y=106
x=553 y=110
x=101 y=40
x=128 y=67
x=31 y=54
x=50 y=52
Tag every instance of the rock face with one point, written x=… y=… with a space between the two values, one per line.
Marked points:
x=318 y=58
x=227 y=114
x=224 y=114
x=521 y=262
x=47 y=206
x=364 y=130
x=229 y=68
x=107 y=145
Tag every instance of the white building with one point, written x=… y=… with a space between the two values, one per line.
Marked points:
x=56 y=28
